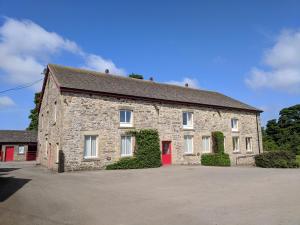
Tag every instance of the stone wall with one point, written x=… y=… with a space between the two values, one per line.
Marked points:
x=49 y=131
x=85 y=114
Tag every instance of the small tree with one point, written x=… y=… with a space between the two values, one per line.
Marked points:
x=136 y=76
x=34 y=113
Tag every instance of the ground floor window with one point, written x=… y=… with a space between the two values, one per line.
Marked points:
x=90 y=146
x=236 y=144
x=188 y=144
x=206 y=144
x=248 y=144
x=57 y=152
x=21 y=149
x=126 y=146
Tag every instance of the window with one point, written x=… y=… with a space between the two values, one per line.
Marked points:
x=234 y=124
x=126 y=146
x=125 y=118
x=206 y=144
x=21 y=150
x=248 y=144
x=187 y=120
x=188 y=144
x=57 y=152
x=46 y=148
x=55 y=112
x=236 y=144
x=90 y=146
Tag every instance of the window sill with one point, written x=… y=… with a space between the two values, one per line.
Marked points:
x=188 y=128
x=236 y=152
x=249 y=152
x=90 y=159
x=124 y=127
x=189 y=154
x=234 y=131
x=126 y=156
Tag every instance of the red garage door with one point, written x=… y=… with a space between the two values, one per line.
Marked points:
x=9 y=153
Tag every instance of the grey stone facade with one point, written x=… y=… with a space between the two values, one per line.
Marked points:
x=80 y=114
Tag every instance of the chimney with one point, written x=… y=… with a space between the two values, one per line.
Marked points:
x=186 y=85
x=107 y=71
x=151 y=79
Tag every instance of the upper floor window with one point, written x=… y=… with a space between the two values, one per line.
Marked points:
x=125 y=118
x=187 y=120
x=90 y=146
x=248 y=144
x=206 y=144
x=126 y=146
x=188 y=144
x=236 y=144
x=234 y=124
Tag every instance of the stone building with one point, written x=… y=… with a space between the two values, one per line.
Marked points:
x=18 y=145
x=84 y=117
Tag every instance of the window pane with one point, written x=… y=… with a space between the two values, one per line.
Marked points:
x=128 y=145
x=122 y=116
x=128 y=116
x=123 y=145
x=21 y=149
x=87 y=145
x=184 y=118
x=93 y=146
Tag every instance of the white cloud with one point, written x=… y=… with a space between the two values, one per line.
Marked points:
x=190 y=81
x=6 y=102
x=283 y=61
x=26 y=47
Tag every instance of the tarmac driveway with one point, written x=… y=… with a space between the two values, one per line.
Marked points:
x=168 y=195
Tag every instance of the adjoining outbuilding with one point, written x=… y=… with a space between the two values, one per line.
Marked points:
x=18 y=145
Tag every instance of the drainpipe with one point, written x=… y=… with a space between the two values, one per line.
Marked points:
x=258 y=138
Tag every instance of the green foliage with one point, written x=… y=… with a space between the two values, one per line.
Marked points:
x=284 y=134
x=212 y=159
x=218 y=142
x=147 y=154
x=136 y=76
x=218 y=158
x=276 y=159
x=34 y=113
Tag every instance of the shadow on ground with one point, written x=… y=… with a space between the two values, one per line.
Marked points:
x=9 y=185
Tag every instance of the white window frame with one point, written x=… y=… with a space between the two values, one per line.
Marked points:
x=237 y=144
x=131 y=146
x=232 y=124
x=249 y=140
x=21 y=147
x=204 y=142
x=189 y=120
x=85 y=150
x=126 y=124
x=224 y=142
x=189 y=149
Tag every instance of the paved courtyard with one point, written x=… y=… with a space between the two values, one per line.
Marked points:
x=168 y=195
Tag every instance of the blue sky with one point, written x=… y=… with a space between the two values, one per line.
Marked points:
x=247 y=50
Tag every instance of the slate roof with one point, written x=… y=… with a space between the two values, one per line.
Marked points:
x=84 y=80
x=18 y=136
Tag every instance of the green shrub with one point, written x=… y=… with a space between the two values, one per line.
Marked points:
x=146 y=155
x=276 y=159
x=212 y=159
x=218 y=142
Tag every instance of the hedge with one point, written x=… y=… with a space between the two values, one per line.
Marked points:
x=212 y=159
x=276 y=159
x=218 y=142
x=146 y=155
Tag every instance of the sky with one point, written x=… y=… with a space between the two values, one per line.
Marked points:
x=247 y=50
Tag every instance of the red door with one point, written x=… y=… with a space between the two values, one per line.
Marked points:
x=166 y=156
x=9 y=153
